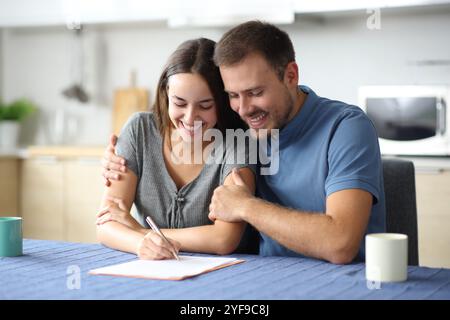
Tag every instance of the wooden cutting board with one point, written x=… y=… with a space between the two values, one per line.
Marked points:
x=126 y=102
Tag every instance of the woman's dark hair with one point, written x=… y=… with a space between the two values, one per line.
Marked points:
x=195 y=56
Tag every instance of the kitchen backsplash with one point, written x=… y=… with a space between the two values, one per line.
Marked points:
x=72 y=124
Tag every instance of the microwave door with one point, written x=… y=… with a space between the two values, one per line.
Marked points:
x=404 y=119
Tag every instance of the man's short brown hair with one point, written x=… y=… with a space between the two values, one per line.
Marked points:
x=255 y=37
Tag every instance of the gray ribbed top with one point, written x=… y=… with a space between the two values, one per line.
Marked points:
x=141 y=144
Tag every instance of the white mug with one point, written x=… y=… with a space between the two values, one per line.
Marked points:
x=386 y=257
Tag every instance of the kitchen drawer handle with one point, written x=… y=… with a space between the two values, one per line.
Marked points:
x=442 y=110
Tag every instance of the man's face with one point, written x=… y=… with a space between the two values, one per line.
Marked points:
x=256 y=93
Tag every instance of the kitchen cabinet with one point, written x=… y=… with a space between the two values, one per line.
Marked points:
x=9 y=186
x=433 y=214
x=42 y=198
x=61 y=190
x=84 y=189
x=30 y=13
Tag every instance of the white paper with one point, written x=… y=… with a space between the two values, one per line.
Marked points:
x=187 y=266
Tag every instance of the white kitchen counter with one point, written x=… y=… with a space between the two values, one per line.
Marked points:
x=421 y=164
x=61 y=151
x=20 y=153
x=427 y=164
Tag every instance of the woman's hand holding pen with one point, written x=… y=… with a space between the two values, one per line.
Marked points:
x=153 y=247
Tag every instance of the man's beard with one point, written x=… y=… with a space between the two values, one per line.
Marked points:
x=276 y=120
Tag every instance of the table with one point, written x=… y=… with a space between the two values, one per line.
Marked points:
x=46 y=271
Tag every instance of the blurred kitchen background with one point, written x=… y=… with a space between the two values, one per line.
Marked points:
x=85 y=66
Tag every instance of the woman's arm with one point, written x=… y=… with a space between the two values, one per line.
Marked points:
x=116 y=228
x=124 y=233
x=219 y=238
x=117 y=234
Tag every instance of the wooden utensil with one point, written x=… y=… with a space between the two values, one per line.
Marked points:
x=128 y=101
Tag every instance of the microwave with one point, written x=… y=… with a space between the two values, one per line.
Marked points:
x=410 y=120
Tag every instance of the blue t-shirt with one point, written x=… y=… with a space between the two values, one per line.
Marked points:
x=327 y=147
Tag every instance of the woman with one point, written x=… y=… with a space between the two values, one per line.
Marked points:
x=176 y=194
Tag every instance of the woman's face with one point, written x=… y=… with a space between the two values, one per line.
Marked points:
x=192 y=109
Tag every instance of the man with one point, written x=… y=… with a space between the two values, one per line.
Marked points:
x=328 y=191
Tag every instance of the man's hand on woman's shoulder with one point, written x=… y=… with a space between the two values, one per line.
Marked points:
x=112 y=164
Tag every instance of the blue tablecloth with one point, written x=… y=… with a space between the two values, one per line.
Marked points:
x=44 y=272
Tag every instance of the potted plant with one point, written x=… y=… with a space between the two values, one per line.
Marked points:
x=10 y=117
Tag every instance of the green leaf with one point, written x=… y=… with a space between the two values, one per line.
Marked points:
x=17 y=110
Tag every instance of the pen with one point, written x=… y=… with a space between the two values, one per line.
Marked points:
x=158 y=231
